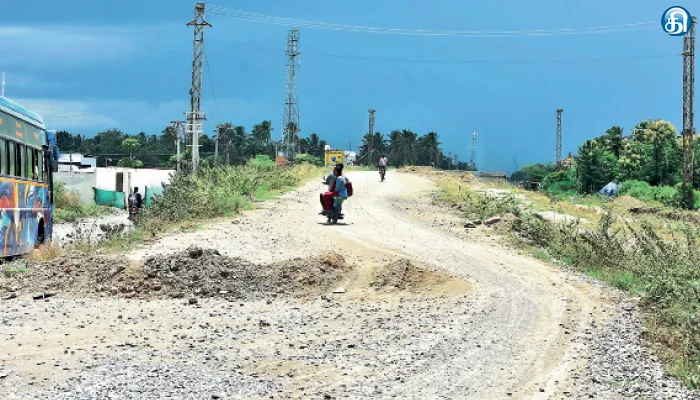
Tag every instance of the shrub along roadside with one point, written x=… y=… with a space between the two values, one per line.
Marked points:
x=69 y=208
x=663 y=269
x=218 y=192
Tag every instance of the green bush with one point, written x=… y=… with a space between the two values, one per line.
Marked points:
x=263 y=162
x=306 y=158
x=127 y=162
x=666 y=195
x=221 y=190
x=638 y=189
x=68 y=207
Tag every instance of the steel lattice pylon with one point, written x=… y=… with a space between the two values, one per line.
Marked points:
x=195 y=116
x=688 y=99
x=370 y=143
x=473 y=160
x=558 y=146
x=291 y=105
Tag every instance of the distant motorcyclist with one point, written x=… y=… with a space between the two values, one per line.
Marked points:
x=382 y=165
x=135 y=202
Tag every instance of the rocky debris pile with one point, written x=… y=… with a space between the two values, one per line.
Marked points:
x=195 y=272
x=467 y=177
x=622 y=365
x=206 y=273
x=74 y=272
x=406 y=275
x=498 y=223
x=91 y=230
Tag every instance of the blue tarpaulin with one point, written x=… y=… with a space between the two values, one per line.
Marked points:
x=610 y=189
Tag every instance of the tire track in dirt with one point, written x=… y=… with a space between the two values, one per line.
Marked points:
x=521 y=338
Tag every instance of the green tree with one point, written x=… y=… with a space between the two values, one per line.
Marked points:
x=595 y=166
x=131 y=145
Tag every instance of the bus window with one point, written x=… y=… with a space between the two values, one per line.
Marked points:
x=19 y=160
x=38 y=166
x=30 y=163
x=3 y=157
x=11 y=159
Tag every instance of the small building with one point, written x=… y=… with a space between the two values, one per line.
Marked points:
x=350 y=157
x=75 y=162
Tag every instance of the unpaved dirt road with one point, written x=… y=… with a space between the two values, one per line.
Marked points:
x=508 y=326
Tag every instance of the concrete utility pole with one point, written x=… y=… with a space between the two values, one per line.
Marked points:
x=688 y=99
x=177 y=126
x=473 y=160
x=371 y=136
x=291 y=104
x=558 y=148
x=217 y=132
x=195 y=116
x=2 y=90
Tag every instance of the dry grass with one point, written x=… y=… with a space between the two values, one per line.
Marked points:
x=44 y=253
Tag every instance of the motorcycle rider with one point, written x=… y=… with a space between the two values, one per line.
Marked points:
x=135 y=200
x=330 y=181
x=382 y=165
x=339 y=190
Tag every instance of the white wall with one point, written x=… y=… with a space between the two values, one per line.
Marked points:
x=106 y=178
x=142 y=177
x=81 y=183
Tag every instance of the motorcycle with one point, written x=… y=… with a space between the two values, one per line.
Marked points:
x=340 y=214
x=336 y=211
x=133 y=212
x=382 y=172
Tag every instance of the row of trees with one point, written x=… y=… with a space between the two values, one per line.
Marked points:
x=405 y=147
x=651 y=153
x=237 y=145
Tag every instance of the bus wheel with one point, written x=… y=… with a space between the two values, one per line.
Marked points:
x=41 y=234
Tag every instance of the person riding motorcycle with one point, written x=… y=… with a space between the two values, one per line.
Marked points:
x=135 y=202
x=382 y=165
x=339 y=189
x=330 y=182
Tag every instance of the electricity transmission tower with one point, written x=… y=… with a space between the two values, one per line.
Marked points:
x=558 y=148
x=688 y=98
x=176 y=129
x=291 y=105
x=473 y=160
x=371 y=136
x=195 y=116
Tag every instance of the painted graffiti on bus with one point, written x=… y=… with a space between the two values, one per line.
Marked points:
x=23 y=207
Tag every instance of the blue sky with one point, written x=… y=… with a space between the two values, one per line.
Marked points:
x=88 y=66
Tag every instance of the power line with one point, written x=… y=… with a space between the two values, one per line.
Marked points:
x=211 y=83
x=236 y=14
x=445 y=61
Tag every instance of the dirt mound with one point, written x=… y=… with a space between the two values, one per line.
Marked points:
x=407 y=276
x=467 y=177
x=206 y=273
x=193 y=272
x=75 y=273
